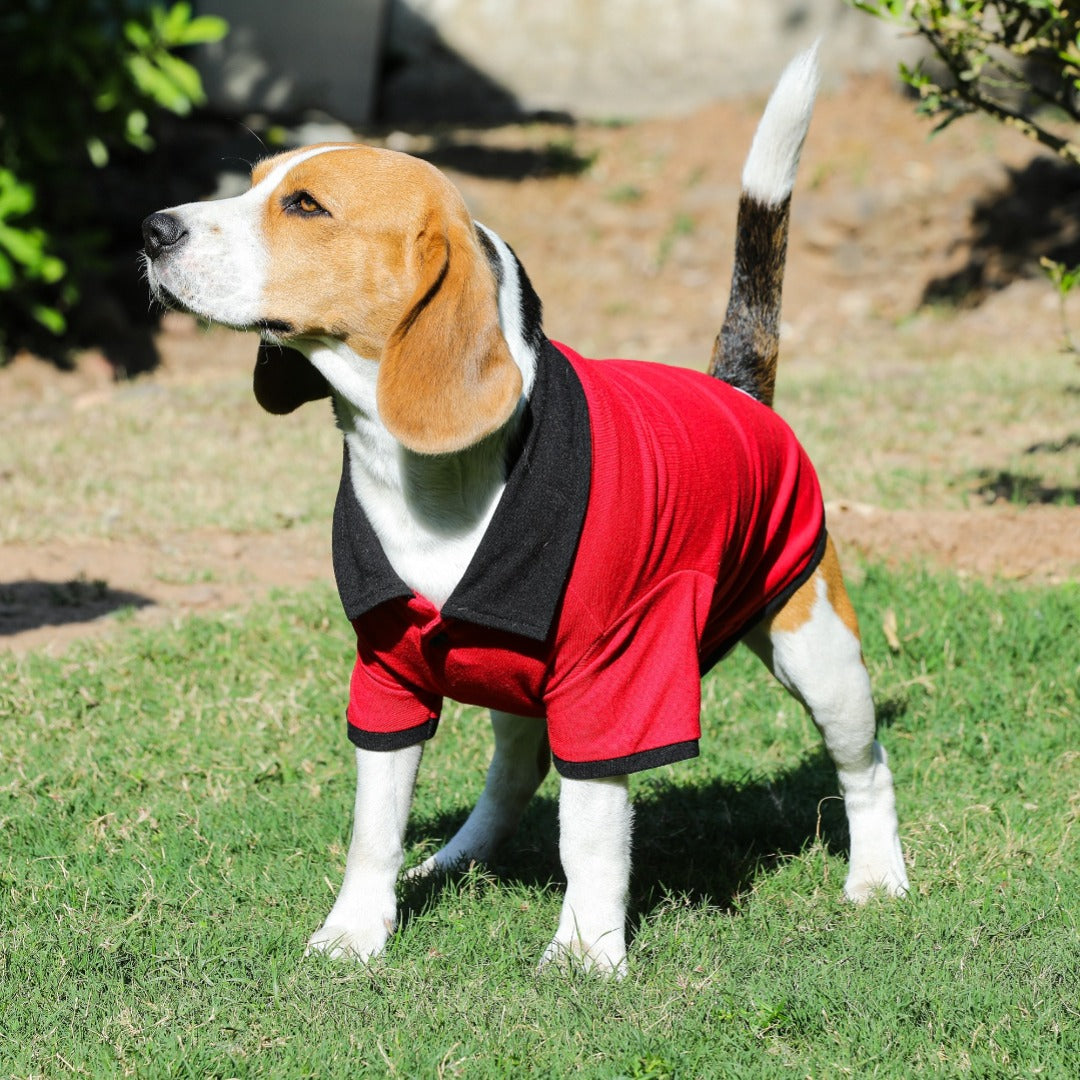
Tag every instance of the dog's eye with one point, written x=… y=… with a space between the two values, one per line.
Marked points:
x=303 y=204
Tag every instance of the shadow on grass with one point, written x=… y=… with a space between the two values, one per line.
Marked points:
x=28 y=605
x=705 y=842
x=1055 y=446
x=1028 y=488
x=1022 y=490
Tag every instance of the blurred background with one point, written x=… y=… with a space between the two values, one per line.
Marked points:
x=114 y=108
x=928 y=357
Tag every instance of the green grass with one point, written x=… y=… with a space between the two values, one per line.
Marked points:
x=174 y=808
x=893 y=428
x=145 y=460
x=900 y=429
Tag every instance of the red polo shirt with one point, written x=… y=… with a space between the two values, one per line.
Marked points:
x=652 y=516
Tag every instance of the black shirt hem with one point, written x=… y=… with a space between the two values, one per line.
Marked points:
x=620 y=766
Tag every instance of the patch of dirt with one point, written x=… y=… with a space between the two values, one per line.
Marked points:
x=632 y=256
x=1038 y=544
x=54 y=593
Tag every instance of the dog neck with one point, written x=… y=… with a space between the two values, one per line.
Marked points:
x=431 y=511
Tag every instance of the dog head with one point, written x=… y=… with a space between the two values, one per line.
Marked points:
x=356 y=245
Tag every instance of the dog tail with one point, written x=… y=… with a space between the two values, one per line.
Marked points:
x=746 y=349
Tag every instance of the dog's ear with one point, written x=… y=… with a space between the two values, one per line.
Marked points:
x=285 y=379
x=446 y=377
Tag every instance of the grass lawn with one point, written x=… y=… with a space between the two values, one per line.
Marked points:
x=175 y=807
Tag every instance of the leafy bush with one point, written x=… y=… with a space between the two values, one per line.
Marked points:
x=80 y=84
x=1009 y=59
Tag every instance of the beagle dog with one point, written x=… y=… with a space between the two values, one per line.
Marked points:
x=567 y=542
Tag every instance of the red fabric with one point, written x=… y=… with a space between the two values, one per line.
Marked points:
x=702 y=510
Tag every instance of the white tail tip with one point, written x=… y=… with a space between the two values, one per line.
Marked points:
x=769 y=172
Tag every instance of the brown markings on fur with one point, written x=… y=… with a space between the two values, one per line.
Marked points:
x=447 y=378
x=797 y=612
x=394 y=269
x=346 y=274
x=747 y=347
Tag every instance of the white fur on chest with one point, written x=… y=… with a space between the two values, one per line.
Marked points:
x=428 y=531
x=428 y=513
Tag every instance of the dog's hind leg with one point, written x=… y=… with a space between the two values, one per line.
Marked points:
x=520 y=762
x=365 y=912
x=812 y=646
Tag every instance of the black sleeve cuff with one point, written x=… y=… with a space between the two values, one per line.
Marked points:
x=391 y=740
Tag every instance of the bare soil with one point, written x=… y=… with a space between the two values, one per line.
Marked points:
x=627 y=234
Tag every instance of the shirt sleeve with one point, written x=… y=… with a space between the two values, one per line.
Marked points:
x=634 y=699
x=384 y=712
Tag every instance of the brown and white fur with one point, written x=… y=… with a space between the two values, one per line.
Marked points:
x=423 y=328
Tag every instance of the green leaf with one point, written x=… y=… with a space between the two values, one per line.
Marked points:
x=176 y=20
x=107 y=100
x=16 y=198
x=136 y=123
x=204 y=30
x=136 y=130
x=883 y=9
x=183 y=75
x=1061 y=277
x=50 y=318
x=156 y=85
x=138 y=35
x=7 y=272
x=52 y=269
x=23 y=245
x=97 y=151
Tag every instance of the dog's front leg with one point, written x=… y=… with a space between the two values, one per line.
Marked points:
x=365 y=912
x=518 y=766
x=595 y=818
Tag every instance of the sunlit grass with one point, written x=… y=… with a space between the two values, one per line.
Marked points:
x=175 y=807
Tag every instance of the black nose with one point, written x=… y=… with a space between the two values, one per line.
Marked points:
x=161 y=231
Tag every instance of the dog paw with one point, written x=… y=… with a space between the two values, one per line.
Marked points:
x=343 y=943
x=867 y=881
x=606 y=959
x=442 y=862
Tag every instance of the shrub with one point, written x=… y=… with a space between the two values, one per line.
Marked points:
x=1010 y=59
x=81 y=82
x=1017 y=61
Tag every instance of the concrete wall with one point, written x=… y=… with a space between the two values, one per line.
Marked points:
x=617 y=58
x=286 y=59
x=423 y=60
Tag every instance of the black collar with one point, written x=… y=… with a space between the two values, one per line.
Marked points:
x=517 y=576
